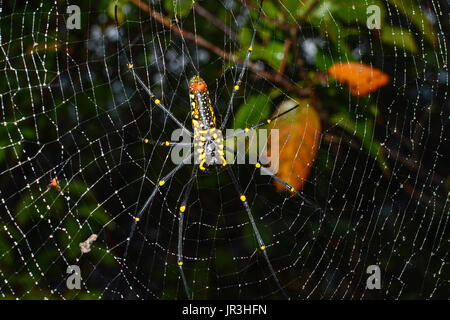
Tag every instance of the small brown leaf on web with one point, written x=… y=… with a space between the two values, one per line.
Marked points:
x=299 y=134
x=85 y=246
x=361 y=78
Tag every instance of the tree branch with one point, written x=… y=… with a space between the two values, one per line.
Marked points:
x=273 y=77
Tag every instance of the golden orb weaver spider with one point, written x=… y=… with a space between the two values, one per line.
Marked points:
x=208 y=141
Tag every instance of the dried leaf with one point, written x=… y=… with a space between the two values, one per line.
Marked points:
x=361 y=78
x=299 y=134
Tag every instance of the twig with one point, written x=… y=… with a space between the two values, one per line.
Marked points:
x=280 y=25
x=219 y=24
x=286 y=47
x=274 y=77
x=312 y=6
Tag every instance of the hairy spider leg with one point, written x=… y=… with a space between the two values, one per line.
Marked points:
x=244 y=67
x=153 y=98
x=261 y=244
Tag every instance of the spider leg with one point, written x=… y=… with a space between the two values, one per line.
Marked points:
x=167 y=143
x=130 y=66
x=288 y=187
x=180 y=228
x=269 y=172
x=239 y=132
x=262 y=246
x=244 y=67
x=149 y=201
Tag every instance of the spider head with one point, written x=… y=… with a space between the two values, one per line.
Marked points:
x=197 y=84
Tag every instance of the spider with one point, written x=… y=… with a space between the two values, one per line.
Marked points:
x=208 y=143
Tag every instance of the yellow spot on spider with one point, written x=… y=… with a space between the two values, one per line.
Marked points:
x=130 y=66
x=246 y=129
x=137 y=219
x=243 y=198
x=182 y=208
x=146 y=140
x=268 y=120
x=180 y=263
x=157 y=101
x=263 y=247
x=236 y=87
x=167 y=143
x=201 y=165
x=258 y=165
x=292 y=189
x=162 y=182
x=250 y=49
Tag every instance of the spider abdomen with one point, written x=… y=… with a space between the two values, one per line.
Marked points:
x=202 y=111
x=208 y=140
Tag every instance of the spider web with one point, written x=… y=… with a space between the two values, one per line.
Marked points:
x=73 y=162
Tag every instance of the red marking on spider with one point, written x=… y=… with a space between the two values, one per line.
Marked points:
x=198 y=86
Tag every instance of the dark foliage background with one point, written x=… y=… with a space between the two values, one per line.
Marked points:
x=70 y=110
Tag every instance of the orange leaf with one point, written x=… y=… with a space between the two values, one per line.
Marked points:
x=299 y=134
x=361 y=78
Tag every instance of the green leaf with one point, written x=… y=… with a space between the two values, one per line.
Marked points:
x=112 y=13
x=178 y=8
x=254 y=110
x=102 y=255
x=291 y=9
x=245 y=37
x=399 y=37
x=94 y=214
x=322 y=60
x=414 y=13
x=363 y=130
x=322 y=12
x=272 y=53
x=6 y=254
x=351 y=11
x=303 y=7
x=270 y=9
x=334 y=31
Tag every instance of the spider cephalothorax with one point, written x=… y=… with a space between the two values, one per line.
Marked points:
x=208 y=140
